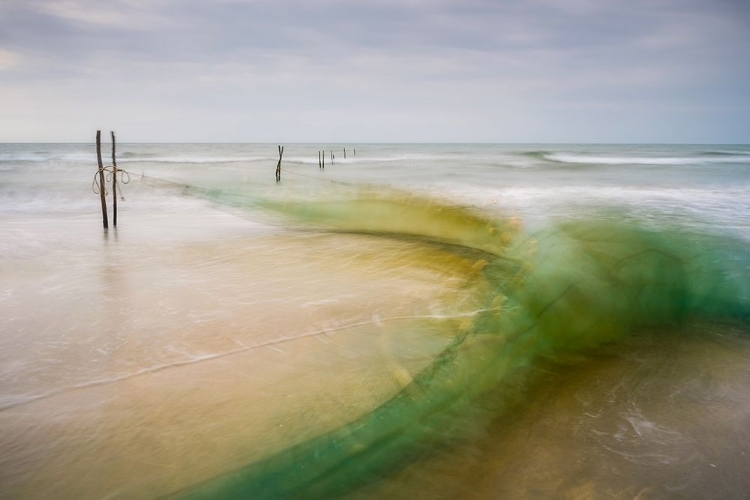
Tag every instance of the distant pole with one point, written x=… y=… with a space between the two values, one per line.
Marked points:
x=324 y=159
x=278 y=165
x=331 y=157
x=319 y=159
x=355 y=151
x=114 y=181
x=345 y=153
x=101 y=177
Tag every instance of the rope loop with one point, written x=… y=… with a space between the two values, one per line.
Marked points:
x=111 y=171
x=96 y=186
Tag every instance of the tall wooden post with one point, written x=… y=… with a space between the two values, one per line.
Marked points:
x=345 y=153
x=114 y=182
x=324 y=159
x=331 y=157
x=101 y=177
x=355 y=151
x=319 y=159
x=278 y=165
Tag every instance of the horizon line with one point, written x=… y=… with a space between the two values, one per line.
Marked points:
x=598 y=143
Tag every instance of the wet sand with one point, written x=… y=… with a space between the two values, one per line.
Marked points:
x=161 y=370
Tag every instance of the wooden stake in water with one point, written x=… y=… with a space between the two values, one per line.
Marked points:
x=345 y=153
x=278 y=165
x=101 y=177
x=324 y=159
x=114 y=182
x=319 y=165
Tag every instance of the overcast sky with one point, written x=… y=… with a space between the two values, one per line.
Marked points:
x=376 y=70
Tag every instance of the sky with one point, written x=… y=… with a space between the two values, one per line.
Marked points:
x=532 y=71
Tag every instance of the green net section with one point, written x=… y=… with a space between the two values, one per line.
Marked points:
x=566 y=289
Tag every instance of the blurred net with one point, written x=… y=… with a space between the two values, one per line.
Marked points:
x=568 y=288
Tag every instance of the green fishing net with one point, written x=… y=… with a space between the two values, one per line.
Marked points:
x=562 y=290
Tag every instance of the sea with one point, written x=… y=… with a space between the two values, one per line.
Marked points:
x=402 y=321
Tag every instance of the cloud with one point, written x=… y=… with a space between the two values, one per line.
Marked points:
x=8 y=59
x=428 y=65
x=125 y=14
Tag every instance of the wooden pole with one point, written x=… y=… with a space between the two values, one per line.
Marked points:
x=278 y=165
x=355 y=151
x=331 y=157
x=101 y=177
x=114 y=182
x=319 y=159
x=324 y=159
x=345 y=153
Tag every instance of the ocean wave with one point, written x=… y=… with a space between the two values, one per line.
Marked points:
x=312 y=159
x=23 y=157
x=131 y=154
x=539 y=155
x=73 y=157
x=195 y=159
x=583 y=159
x=731 y=153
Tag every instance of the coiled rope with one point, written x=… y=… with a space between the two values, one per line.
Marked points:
x=111 y=171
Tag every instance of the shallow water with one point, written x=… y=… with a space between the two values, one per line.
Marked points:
x=416 y=321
